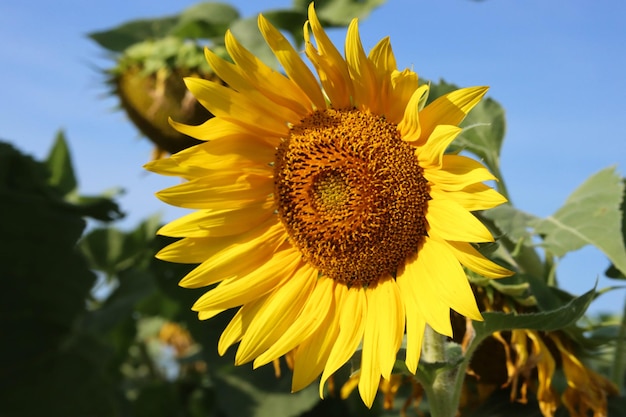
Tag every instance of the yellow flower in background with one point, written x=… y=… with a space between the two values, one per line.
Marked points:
x=329 y=214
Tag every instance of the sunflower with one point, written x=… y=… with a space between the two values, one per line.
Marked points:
x=327 y=210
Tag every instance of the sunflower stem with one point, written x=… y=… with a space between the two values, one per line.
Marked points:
x=619 y=363
x=440 y=381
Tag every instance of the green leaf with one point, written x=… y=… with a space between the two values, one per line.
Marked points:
x=557 y=319
x=103 y=248
x=59 y=163
x=127 y=34
x=339 y=12
x=590 y=216
x=512 y=222
x=242 y=391
x=205 y=21
x=111 y=250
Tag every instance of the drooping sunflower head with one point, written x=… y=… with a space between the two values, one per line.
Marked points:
x=328 y=212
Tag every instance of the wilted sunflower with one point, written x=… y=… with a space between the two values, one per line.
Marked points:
x=331 y=214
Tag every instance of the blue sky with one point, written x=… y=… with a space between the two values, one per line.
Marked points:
x=557 y=67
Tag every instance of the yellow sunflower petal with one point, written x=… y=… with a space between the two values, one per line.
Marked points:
x=390 y=323
x=415 y=325
x=230 y=256
x=263 y=117
x=169 y=166
x=431 y=154
x=215 y=223
x=473 y=197
x=313 y=315
x=233 y=292
x=272 y=84
x=403 y=85
x=227 y=154
x=410 y=127
x=449 y=220
x=219 y=190
x=474 y=260
x=295 y=68
x=450 y=109
x=216 y=128
x=444 y=278
x=311 y=356
x=415 y=283
x=370 y=353
x=330 y=65
x=238 y=325
x=278 y=312
x=362 y=72
x=384 y=64
x=457 y=172
x=352 y=308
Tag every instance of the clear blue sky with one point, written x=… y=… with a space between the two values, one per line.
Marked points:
x=558 y=68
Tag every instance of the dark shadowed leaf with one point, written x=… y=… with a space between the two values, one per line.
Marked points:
x=45 y=282
x=559 y=318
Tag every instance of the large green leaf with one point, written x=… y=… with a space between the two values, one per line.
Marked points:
x=556 y=319
x=127 y=34
x=205 y=21
x=590 y=216
x=512 y=222
x=59 y=163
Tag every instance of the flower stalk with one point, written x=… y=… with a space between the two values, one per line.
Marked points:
x=441 y=382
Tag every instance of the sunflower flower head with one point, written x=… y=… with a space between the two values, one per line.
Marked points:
x=327 y=210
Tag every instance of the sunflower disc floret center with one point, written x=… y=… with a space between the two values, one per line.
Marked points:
x=351 y=195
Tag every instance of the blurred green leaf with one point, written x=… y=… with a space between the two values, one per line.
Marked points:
x=59 y=163
x=205 y=21
x=339 y=12
x=244 y=392
x=127 y=34
x=590 y=216
x=111 y=250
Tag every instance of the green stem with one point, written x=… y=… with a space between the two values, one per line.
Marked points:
x=442 y=372
x=440 y=383
x=619 y=363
